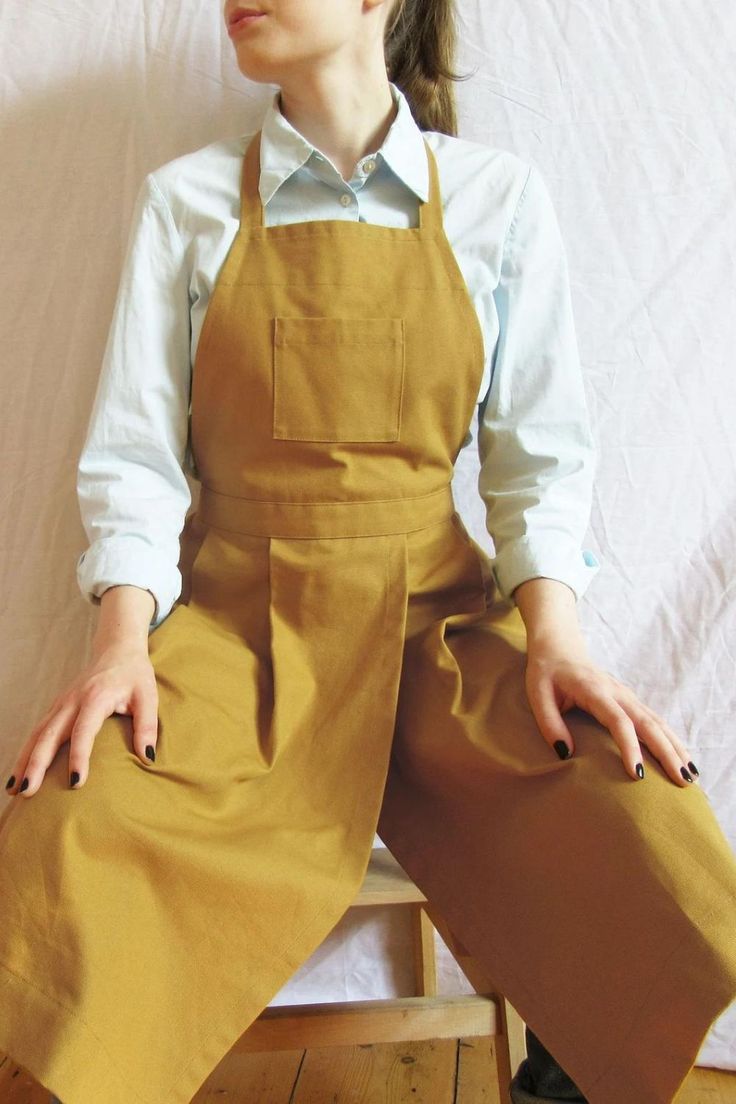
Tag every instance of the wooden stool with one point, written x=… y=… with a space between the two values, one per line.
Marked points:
x=401 y=1019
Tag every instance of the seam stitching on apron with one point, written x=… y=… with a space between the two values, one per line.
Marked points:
x=632 y=1022
x=75 y=1015
x=329 y=502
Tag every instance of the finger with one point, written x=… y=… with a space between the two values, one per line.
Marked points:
x=18 y=770
x=594 y=700
x=682 y=751
x=43 y=721
x=145 y=723
x=92 y=715
x=680 y=748
x=32 y=768
x=653 y=735
x=548 y=717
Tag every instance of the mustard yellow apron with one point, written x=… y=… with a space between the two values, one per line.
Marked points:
x=339 y=662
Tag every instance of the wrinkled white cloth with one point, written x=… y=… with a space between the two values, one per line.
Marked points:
x=534 y=438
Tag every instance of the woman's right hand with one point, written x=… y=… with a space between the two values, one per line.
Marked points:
x=119 y=679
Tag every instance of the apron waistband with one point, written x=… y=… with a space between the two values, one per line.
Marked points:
x=352 y=518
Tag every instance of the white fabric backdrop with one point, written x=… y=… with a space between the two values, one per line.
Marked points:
x=628 y=112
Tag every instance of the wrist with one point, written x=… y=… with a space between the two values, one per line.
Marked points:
x=548 y=609
x=125 y=617
x=545 y=646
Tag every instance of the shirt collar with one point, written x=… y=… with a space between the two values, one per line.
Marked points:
x=284 y=149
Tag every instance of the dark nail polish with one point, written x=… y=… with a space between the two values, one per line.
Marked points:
x=686 y=774
x=150 y=752
x=10 y=782
x=694 y=770
x=561 y=748
x=74 y=778
x=24 y=785
x=640 y=769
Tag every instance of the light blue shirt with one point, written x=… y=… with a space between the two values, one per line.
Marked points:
x=536 y=451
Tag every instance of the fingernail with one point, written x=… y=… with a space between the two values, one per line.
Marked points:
x=10 y=782
x=74 y=778
x=23 y=785
x=686 y=774
x=150 y=752
x=694 y=769
x=640 y=769
x=561 y=748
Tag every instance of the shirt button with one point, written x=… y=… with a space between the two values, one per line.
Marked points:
x=369 y=165
x=345 y=199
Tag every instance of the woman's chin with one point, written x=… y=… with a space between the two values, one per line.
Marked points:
x=253 y=71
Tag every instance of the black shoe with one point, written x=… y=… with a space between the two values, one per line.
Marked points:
x=540 y=1078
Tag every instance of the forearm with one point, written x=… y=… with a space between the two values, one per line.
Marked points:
x=548 y=609
x=125 y=617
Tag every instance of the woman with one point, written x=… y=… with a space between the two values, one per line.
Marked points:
x=342 y=657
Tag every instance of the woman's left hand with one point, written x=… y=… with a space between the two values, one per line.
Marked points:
x=558 y=678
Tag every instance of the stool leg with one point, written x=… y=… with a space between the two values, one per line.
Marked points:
x=509 y=1041
x=540 y=1078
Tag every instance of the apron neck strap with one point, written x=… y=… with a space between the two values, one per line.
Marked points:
x=252 y=213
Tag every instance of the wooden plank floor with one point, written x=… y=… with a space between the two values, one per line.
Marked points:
x=440 y=1071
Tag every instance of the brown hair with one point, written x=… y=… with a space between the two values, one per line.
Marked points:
x=419 y=45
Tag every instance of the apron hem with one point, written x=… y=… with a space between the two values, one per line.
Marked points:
x=670 y=1046
x=206 y=1060
x=32 y=1007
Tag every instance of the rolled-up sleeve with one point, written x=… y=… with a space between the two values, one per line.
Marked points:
x=132 y=491
x=537 y=455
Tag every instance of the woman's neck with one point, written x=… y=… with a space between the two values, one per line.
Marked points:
x=343 y=120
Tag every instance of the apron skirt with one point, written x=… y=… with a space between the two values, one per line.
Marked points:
x=149 y=917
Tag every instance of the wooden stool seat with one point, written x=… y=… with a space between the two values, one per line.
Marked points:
x=400 y=1019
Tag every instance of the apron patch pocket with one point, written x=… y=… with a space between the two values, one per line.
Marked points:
x=337 y=379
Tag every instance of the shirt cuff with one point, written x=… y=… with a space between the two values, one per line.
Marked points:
x=520 y=561
x=118 y=561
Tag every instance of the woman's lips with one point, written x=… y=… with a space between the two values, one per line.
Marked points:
x=244 y=21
